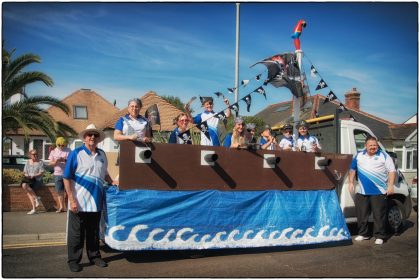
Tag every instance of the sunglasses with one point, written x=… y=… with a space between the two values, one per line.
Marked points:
x=184 y=120
x=92 y=134
x=210 y=103
x=34 y=154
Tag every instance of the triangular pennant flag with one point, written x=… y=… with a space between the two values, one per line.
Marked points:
x=231 y=90
x=341 y=108
x=235 y=107
x=330 y=97
x=186 y=137
x=152 y=114
x=261 y=90
x=221 y=115
x=204 y=128
x=247 y=100
x=244 y=82
x=218 y=94
x=321 y=85
x=313 y=71
x=258 y=77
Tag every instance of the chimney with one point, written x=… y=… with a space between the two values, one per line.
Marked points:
x=353 y=99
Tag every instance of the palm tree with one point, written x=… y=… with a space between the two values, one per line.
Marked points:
x=28 y=113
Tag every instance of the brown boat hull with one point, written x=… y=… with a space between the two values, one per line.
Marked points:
x=180 y=167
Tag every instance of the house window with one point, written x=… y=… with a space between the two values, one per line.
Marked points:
x=38 y=146
x=7 y=146
x=48 y=147
x=411 y=159
x=407 y=157
x=80 y=112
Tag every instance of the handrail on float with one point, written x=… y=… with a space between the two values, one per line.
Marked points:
x=313 y=120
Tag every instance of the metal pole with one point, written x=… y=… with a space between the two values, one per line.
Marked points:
x=296 y=102
x=237 y=54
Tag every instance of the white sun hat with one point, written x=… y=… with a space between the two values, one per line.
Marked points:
x=92 y=129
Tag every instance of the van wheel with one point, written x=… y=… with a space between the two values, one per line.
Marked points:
x=395 y=215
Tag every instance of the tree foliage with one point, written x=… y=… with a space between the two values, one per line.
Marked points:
x=259 y=123
x=28 y=113
x=175 y=101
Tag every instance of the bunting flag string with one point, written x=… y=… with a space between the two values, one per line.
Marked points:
x=234 y=107
x=247 y=100
x=321 y=85
x=313 y=71
x=244 y=83
x=218 y=94
x=186 y=137
x=330 y=96
x=231 y=90
x=204 y=128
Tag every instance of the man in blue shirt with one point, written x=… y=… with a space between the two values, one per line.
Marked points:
x=84 y=176
x=376 y=174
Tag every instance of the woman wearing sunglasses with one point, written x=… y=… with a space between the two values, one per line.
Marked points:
x=58 y=158
x=181 y=135
x=32 y=180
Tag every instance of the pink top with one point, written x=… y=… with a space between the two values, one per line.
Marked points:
x=55 y=155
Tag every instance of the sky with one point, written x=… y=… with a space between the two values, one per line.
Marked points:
x=123 y=50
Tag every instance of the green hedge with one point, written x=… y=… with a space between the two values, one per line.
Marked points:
x=15 y=176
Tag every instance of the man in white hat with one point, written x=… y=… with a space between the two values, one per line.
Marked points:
x=85 y=173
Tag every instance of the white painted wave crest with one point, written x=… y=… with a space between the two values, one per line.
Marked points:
x=174 y=240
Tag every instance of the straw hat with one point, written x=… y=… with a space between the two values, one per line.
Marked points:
x=92 y=129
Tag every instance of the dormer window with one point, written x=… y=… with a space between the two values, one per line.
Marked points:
x=80 y=112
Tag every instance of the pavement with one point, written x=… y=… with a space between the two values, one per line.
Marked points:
x=18 y=228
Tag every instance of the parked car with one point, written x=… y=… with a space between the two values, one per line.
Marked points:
x=14 y=162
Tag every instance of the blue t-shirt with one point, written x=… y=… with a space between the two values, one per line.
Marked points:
x=228 y=140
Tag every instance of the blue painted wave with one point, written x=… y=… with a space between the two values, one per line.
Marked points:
x=209 y=219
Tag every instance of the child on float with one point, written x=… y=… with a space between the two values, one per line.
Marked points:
x=287 y=143
x=306 y=142
x=212 y=121
x=267 y=140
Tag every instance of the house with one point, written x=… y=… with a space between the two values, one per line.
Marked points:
x=399 y=138
x=86 y=106
x=161 y=132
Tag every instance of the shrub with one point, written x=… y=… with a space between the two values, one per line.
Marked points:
x=15 y=176
x=12 y=176
x=48 y=177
